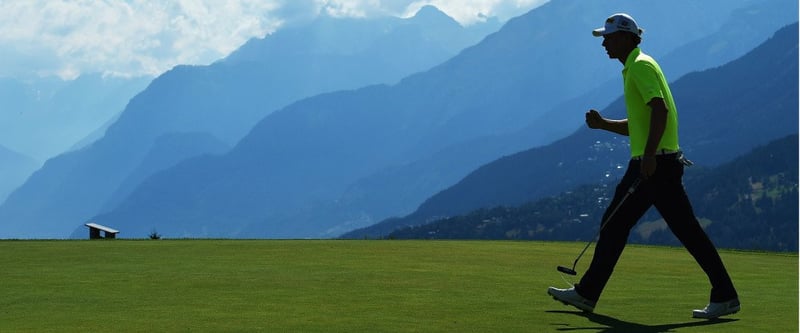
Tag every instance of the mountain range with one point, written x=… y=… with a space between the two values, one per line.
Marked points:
x=327 y=164
x=44 y=117
x=724 y=113
x=225 y=100
x=298 y=173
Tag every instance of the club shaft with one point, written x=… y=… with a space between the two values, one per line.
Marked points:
x=631 y=189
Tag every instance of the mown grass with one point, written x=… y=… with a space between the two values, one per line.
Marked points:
x=369 y=286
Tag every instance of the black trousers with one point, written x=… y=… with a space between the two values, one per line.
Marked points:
x=665 y=190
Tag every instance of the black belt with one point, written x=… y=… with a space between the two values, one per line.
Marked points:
x=669 y=154
x=663 y=153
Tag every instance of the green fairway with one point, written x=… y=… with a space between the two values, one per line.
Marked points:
x=369 y=286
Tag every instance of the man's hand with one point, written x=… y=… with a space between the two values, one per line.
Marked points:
x=594 y=119
x=647 y=167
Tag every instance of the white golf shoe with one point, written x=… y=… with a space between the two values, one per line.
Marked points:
x=571 y=297
x=714 y=310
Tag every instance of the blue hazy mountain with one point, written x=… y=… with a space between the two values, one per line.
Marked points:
x=167 y=151
x=336 y=54
x=296 y=163
x=15 y=168
x=225 y=100
x=724 y=113
x=398 y=191
x=44 y=117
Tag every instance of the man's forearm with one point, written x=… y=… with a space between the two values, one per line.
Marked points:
x=658 y=124
x=616 y=126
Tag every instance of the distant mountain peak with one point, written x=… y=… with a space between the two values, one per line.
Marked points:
x=429 y=13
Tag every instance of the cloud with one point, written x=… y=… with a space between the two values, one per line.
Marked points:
x=147 y=37
x=464 y=11
x=129 y=38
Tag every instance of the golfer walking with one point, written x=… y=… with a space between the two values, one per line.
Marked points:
x=652 y=126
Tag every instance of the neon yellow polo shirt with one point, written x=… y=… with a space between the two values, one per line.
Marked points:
x=644 y=81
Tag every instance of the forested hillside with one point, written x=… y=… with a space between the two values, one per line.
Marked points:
x=749 y=203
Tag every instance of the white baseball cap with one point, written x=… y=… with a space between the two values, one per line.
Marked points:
x=619 y=22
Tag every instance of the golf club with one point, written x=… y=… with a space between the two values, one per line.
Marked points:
x=571 y=271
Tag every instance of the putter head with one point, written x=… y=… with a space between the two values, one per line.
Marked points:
x=565 y=270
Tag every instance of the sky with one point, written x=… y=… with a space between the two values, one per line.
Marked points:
x=129 y=38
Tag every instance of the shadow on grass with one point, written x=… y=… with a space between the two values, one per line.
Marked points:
x=614 y=325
